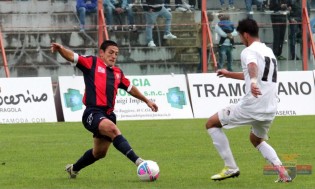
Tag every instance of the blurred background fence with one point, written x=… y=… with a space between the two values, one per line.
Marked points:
x=29 y=27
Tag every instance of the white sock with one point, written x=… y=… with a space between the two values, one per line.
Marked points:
x=139 y=161
x=222 y=145
x=269 y=153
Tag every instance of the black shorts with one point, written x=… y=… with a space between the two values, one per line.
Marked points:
x=92 y=117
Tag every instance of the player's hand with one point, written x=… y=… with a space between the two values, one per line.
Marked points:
x=153 y=106
x=255 y=90
x=223 y=73
x=54 y=47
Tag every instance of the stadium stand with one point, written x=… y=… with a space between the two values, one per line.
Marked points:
x=29 y=26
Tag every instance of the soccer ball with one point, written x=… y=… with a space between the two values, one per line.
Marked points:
x=148 y=170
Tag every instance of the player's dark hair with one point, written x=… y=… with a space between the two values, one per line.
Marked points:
x=249 y=26
x=107 y=43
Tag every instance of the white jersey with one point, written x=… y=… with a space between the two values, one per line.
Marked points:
x=265 y=106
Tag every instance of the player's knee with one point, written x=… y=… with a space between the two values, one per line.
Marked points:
x=213 y=121
x=255 y=140
x=255 y=143
x=110 y=130
x=99 y=155
x=114 y=132
x=209 y=125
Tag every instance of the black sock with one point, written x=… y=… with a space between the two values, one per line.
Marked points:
x=85 y=160
x=123 y=146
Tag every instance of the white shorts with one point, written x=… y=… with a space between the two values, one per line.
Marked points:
x=233 y=116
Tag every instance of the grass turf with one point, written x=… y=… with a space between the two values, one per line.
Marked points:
x=34 y=155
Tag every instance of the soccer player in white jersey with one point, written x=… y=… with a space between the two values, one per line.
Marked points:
x=257 y=108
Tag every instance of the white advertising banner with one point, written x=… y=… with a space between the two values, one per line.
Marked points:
x=71 y=94
x=296 y=93
x=27 y=100
x=209 y=93
x=169 y=92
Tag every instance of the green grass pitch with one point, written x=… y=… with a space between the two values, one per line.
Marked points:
x=33 y=156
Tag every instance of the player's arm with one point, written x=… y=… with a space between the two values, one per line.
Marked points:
x=65 y=53
x=137 y=94
x=253 y=73
x=228 y=74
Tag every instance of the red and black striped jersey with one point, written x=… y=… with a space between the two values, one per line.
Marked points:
x=101 y=82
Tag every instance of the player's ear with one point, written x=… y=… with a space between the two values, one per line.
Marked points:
x=245 y=35
x=101 y=52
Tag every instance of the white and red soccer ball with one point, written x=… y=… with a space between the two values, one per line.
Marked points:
x=148 y=170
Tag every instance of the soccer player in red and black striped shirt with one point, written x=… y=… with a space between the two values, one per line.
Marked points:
x=102 y=80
